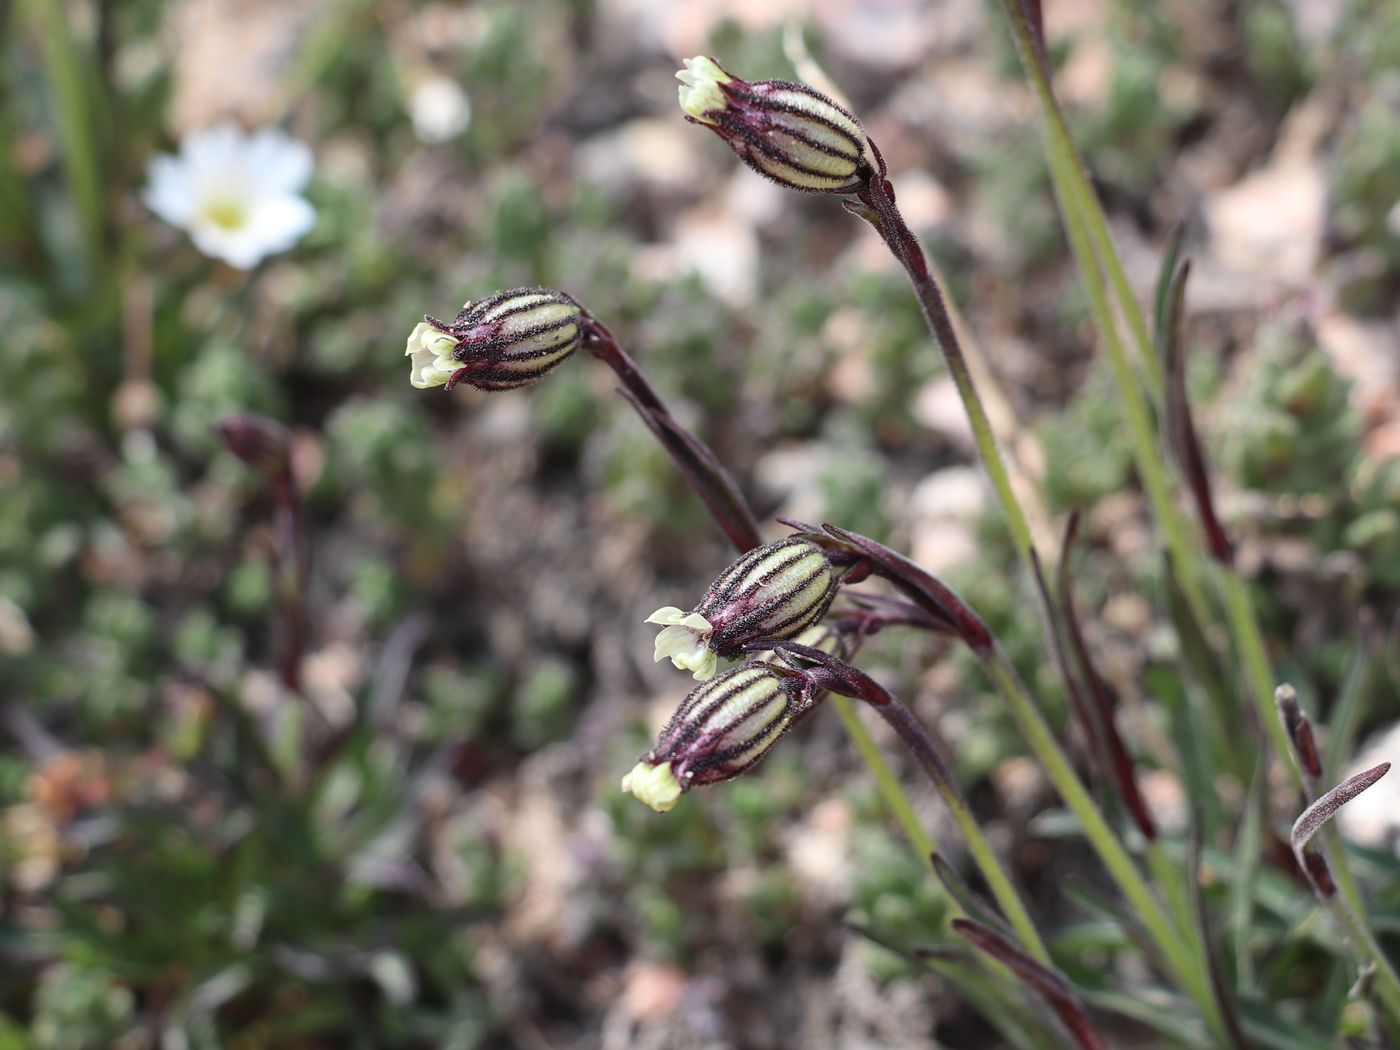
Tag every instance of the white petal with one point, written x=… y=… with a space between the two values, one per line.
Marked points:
x=657 y=786
x=666 y=615
x=170 y=192
x=671 y=641
x=430 y=354
x=277 y=163
x=234 y=247
x=279 y=222
x=702 y=663
x=213 y=151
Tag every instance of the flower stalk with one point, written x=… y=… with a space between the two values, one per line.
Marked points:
x=699 y=466
x=265 y=446
x=828 y=672
x=876 y=205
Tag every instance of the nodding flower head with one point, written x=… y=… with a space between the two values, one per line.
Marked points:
x=774 y=591
x=507 y=340
x=789 y=132
x=721 y=729
x=262 y=443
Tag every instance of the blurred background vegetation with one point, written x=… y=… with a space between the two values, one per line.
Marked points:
x=426 y=845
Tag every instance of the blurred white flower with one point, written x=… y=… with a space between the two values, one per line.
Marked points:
x=439 y=108
x=237 y=195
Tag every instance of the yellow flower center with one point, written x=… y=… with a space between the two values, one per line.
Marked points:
x=226 y=214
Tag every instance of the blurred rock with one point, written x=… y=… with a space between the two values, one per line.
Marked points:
x=662 y=152
x=1166 y=799
x=1368 y=354
x=819 y=852
x=884 y=34
x=938 y=407
x=232 y=58
x=1020 y=782
x=536 y=834
x=1315 y=21
x=1269 y=225
x=439 y=108
x=653 y=992
x=16 y=636
x=1373 y=818
x=944 y=508
x=714 y=245
x=793 y=473
x=330 y=676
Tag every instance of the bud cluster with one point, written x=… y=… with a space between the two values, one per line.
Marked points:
x=774 y=591
x=505 y=341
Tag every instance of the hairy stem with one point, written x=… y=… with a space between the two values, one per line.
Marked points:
x=916 y=738
x=885 y=216
x=701 y=469
x=885 y=780
x=1177 y=950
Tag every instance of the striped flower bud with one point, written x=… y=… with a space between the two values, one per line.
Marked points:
x=721 y=729
x=774 y=591
x=789 y=132
x=507 y=340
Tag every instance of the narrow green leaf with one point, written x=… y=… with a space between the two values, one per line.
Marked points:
x=75 y=99
x=1345 y=717
x=1165 y=275
x=1242 y=887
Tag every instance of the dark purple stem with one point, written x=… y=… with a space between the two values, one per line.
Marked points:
x=826 y=672
x=697 y=463
x=294 y=571
x=1181 y=429
x=1117 y=760
x=1048 y=984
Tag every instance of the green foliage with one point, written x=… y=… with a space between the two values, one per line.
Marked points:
x=239 y=863
x=1087 y=455
x=1292 y=429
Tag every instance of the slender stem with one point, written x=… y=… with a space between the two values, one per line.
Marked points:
x=1387 y=983
x=1177 y=952
x=294 y=570
x=879 y=198
x=699 y=465
x=916 y=738
x=1087 y=228
x=885 y=780
x=1093 y=248
x=67 y=71
x=1245 y=628
x=1170 y=881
